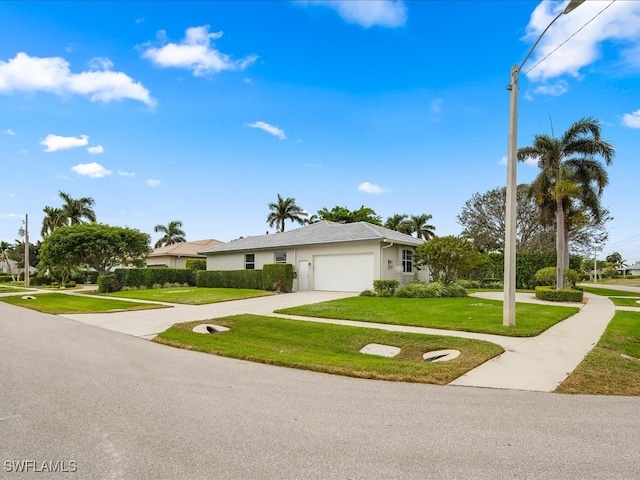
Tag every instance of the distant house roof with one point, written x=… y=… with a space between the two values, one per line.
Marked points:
x=317 y=234
x=630 y=267
x=185 y=249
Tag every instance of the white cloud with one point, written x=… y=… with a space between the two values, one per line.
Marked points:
x=97 y=150
x=24 y=151
x=8 y=131
x=275 y=131
x=56 y=142
x=620 y=23
x=436 y=105
x=91 y=170
x=631 y=120
x=100 y=63
x=195 y=53
x=371 y=188
x=503 y=161
x=52 y=74
x=368 y=13
x=530 y=162
x=126 y=174
x=555 y=90
x=152 y=182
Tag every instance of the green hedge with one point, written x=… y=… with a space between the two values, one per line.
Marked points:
x=385 y=288
x=196 y=263
x=552 y=295
x=229 y=279
x=278 y=277
x=5 y=278
x=108 y=283
x=147 y=277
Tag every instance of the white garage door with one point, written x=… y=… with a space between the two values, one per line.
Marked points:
x=343 y=273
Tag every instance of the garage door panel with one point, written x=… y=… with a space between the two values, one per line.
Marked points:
x=343 y=273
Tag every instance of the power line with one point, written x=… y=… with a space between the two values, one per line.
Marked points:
x=573 y=35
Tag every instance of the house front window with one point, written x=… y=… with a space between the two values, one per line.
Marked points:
x=407 y=261
x=250 y=261
x=280 y=257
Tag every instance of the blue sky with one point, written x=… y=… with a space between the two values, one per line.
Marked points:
x=204 y=111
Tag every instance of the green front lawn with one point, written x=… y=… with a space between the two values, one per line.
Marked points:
x=626 y=302
x=13 y=289
x=57 y=303
x=332 y=348
x=467 y=314
x=613 y=366
x=191 y=295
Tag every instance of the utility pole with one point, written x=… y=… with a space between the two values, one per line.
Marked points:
x=26 y=250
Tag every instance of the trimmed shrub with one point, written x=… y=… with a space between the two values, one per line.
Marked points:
x=70 y=284
x=277 y=277
x=229 y=279
x=147 y=277
x=430 y=290
x=385 y=288
x=108 y=283
x=549 y=294
x=5 y=278
x=367 y=293
x=196 y=263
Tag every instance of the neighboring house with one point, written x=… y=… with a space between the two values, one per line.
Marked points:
x=325 y=255
x=630 y=270
x=10 y=266
x=176 y=255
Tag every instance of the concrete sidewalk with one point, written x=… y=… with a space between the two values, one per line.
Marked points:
x=541 y=363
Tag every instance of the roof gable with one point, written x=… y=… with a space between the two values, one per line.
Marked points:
x=323 y=232
x=185 y=249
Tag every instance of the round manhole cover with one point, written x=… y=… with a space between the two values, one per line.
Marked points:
x=441 y=355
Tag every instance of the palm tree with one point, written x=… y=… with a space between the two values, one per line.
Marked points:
x=77 y=209
x=418 y=224
x=173 y=233
x=5 y=249
x=570 y=172
x=54 y=218
x=285 y=209
x=398 y=222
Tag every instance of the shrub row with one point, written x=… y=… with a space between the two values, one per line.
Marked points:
x=390 y=288
x=229 y=279
x=552 y=295
x=108 y=283
x=5 y=278
x=147 y=277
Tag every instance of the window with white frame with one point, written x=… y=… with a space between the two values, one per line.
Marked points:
x=250 y=261
x=280 y=257
x=407 y=261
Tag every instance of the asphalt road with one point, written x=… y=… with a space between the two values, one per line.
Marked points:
x=121 y=407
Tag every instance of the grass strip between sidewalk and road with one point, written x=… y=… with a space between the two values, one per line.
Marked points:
x=613 y=366
x=331 y=349
x=609 y=292
x=57 y=303
x=190 y=295
x=467 y=314
x=13 y=289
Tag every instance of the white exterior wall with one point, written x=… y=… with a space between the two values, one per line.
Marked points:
x=170 y=261
x=381 y=258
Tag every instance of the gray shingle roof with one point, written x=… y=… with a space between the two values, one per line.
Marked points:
x=316 y=234
x=185 y=249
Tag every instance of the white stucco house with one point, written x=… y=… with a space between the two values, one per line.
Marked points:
x=325 y=255
x=176 y=255
x=630 y=270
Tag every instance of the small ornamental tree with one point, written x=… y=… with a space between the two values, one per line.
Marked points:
x=96 y=245
x=449 y=257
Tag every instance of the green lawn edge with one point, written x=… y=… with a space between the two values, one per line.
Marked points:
x=332 y=349
x=468 y=314
x=612 y=367
x=190 y=295
x=60 y=303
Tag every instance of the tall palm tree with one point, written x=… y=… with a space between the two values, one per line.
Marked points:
x=570 y=171
x=398 y=222
x=285 y=209
x=173 y=233
x=78 y=209
x=5 y=250
x=418 y=224
x=54 y=218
